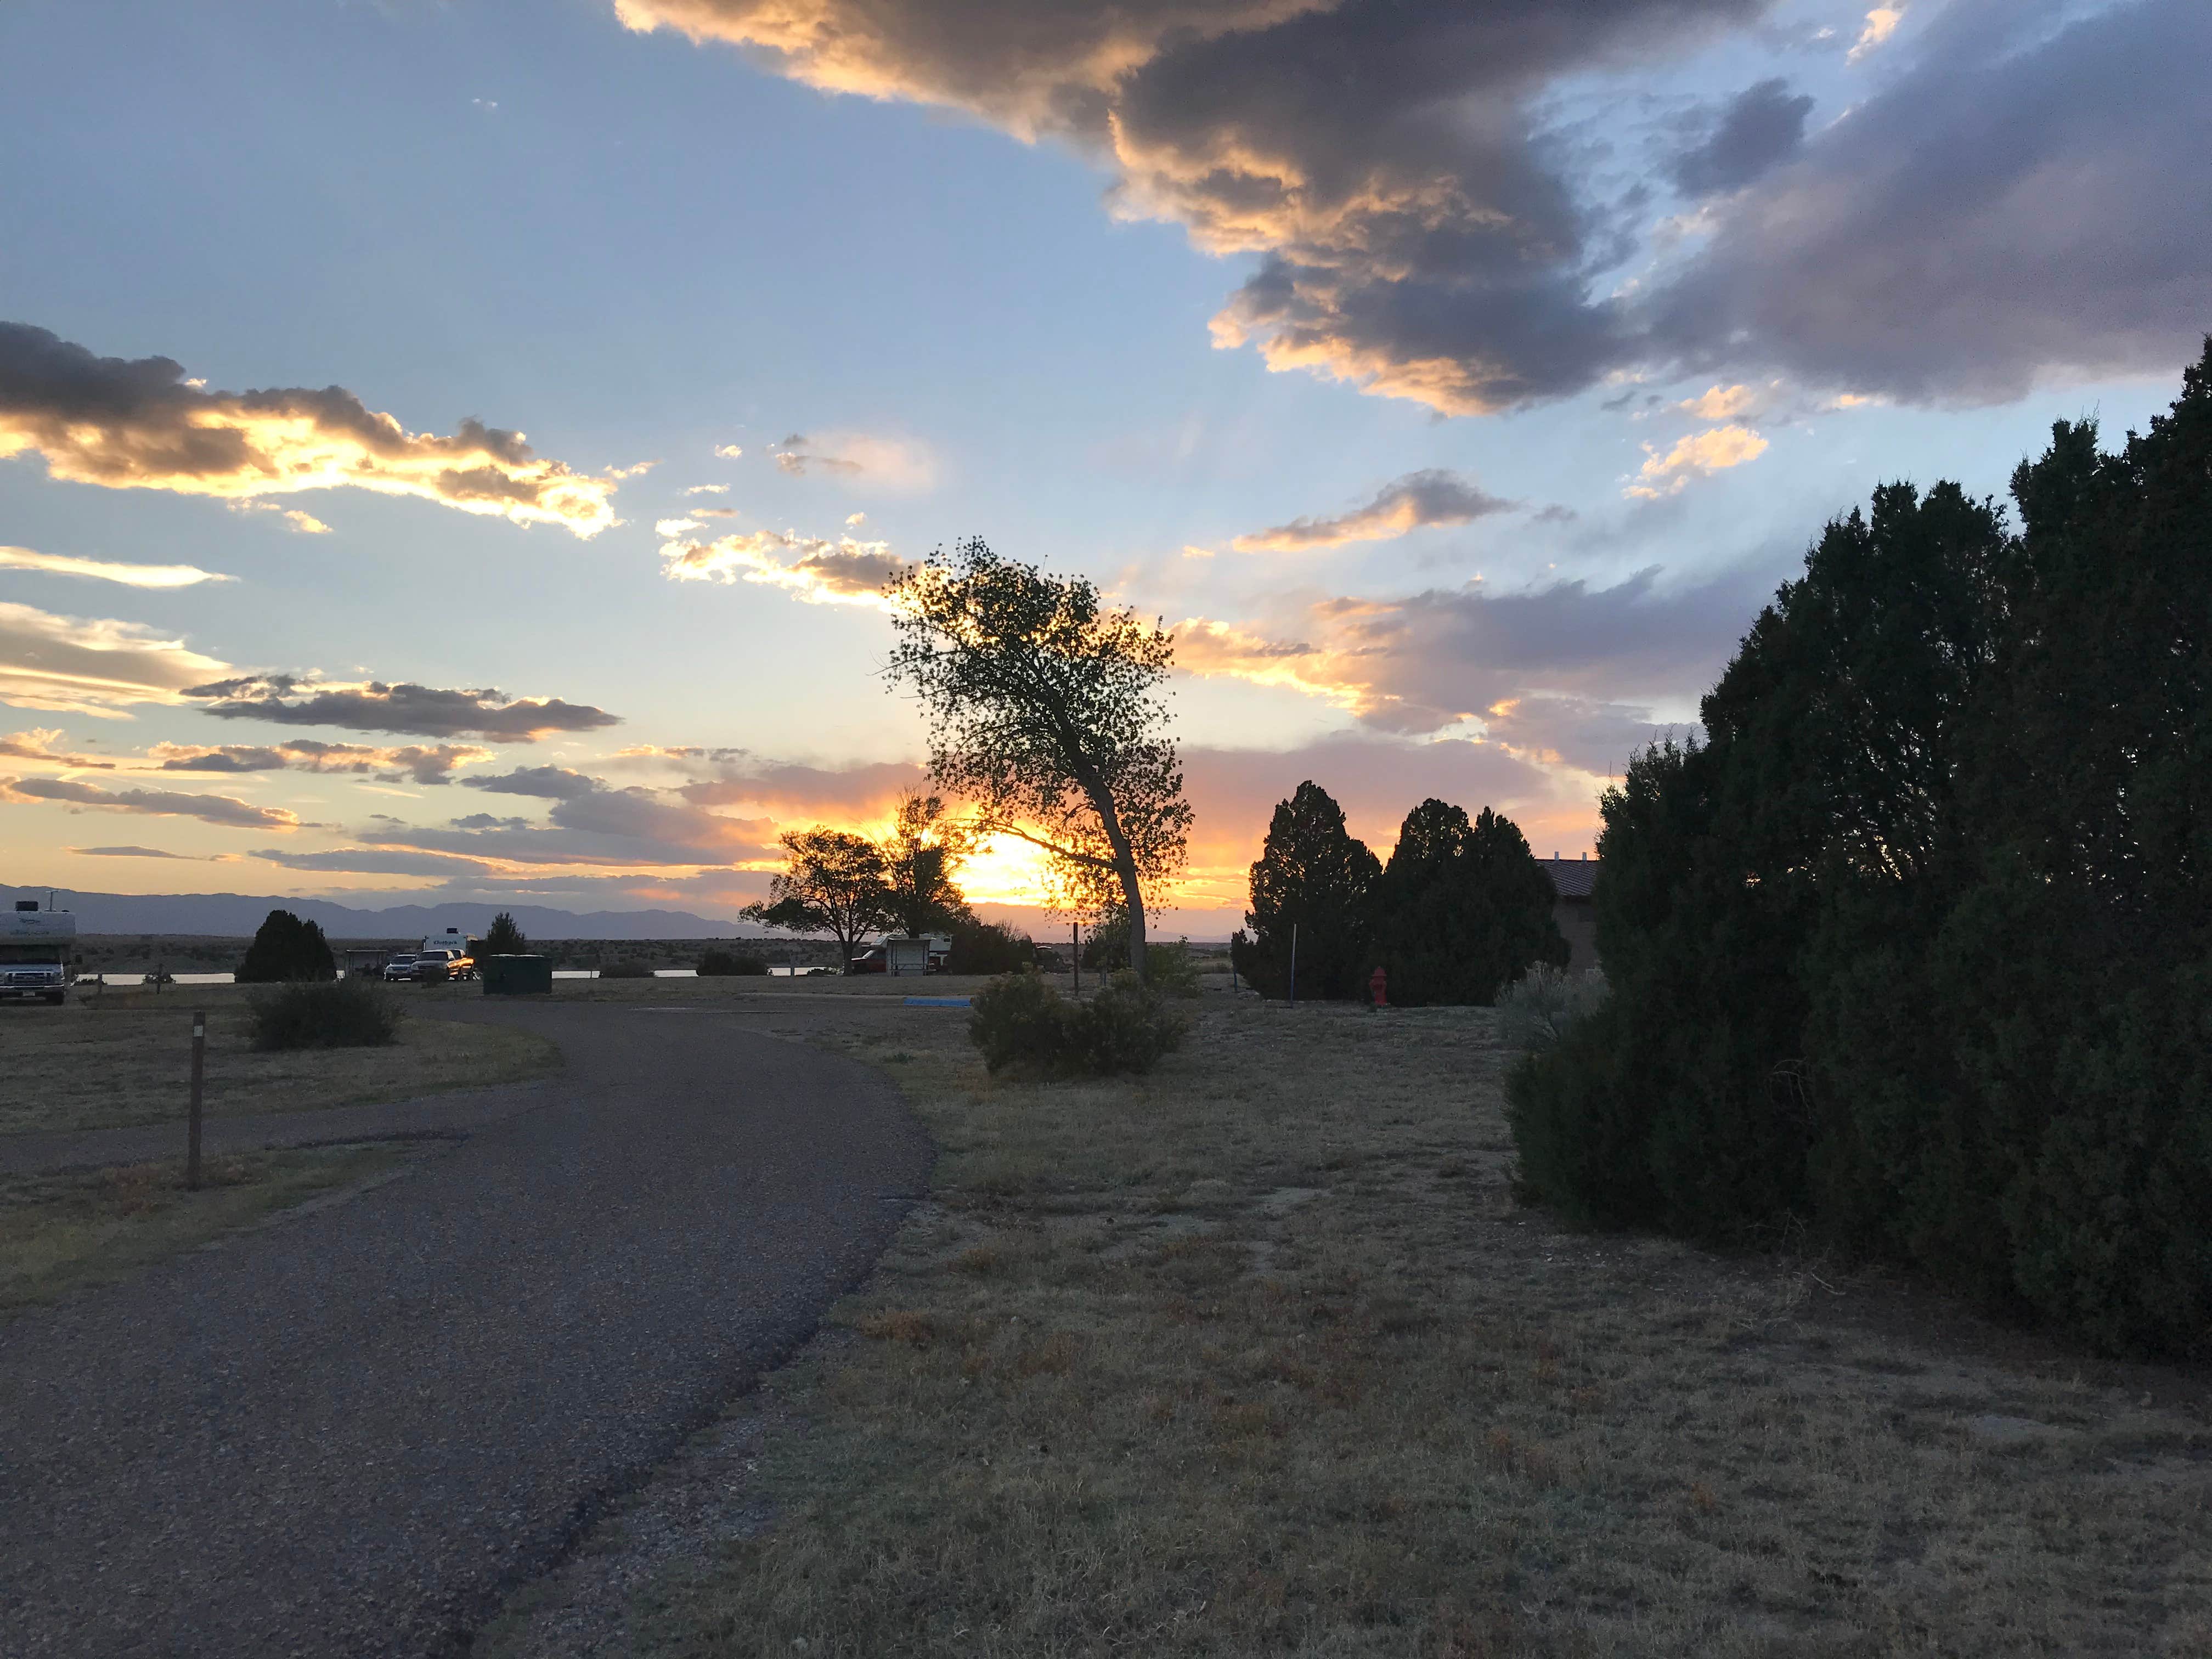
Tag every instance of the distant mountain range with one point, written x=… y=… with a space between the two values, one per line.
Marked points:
x=236 y=915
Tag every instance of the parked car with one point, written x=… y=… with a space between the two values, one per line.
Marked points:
x=399 y=968
x=434 y=967
x=873 y=960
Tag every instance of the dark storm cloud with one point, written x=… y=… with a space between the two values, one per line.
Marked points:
x=1382 y=154
x=139 y=423
x=2025 y=204
x=419 y=710
x=2022 y=203
x=1764 y=125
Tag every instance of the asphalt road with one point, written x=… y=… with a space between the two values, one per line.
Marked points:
x=353 y=1433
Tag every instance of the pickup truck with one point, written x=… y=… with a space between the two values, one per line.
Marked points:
x=434 y=967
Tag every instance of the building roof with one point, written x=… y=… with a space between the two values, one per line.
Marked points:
x=1572 y=879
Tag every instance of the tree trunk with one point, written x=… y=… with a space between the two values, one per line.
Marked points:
x=1134 y=898
x=1125 y=865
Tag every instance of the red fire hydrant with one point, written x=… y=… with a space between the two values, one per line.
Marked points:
x=1378 y=985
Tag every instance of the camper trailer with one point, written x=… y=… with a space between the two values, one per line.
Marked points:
x=36 y=952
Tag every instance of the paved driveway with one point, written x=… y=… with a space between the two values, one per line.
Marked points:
x=351 y=1433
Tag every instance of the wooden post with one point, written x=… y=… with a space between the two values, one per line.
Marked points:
x=192 y=1132
x=1294 y=964
x=1075 y=953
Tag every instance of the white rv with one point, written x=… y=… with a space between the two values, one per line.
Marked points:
x=36 y=950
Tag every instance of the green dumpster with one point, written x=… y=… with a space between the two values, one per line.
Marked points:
x=515 y=976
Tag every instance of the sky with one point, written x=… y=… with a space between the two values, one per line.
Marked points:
x=452 y=449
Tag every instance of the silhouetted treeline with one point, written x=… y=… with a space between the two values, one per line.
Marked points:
x=1460 y=910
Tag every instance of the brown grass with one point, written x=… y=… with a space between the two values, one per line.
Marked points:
x=127 y=1059
x=60 y=1233
x=1257 y=1355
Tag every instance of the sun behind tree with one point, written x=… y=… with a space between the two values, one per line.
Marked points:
x=1045 y=712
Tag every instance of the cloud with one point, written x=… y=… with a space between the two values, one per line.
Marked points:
x=708 y=489
x=1547 y=656
x=37 y=745
x=427 y=765
x=1881 y=23
x=591 y=823
x=899 y=464
x=130 y=575
x=373 y=861
x=1764 y=125
x=140 y=424
x=843 y=571
x=129 y=853
x=156 y=803
x=729 y=451
x=546 y=782
x=1432 y=497
x=92 y=665
x=306 y=524
x=2026 y=203
x=417 y=710
x=1700 y=454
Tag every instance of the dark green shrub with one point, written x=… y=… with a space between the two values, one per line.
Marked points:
x=344 y=1013
x=985 y=947
x=1918 y=950
x=1022 y=1023
x=725 y=964
x=286 y=948
x=624 y=971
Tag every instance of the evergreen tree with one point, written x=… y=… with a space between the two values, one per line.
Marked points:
x=286 y=948
x=1312 y=873
x=1461 y=910
x=1918 y=947
x=503 y=938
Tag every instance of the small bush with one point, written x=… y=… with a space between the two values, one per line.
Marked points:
x=725 y=964
x=1170 y=970
x=1126 y=1027
x=343 y=1013
x=1021 y=1022
x=1536 y=1010
x=624 y=971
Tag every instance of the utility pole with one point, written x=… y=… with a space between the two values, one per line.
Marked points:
x=1294 y=964
x=1075 y=953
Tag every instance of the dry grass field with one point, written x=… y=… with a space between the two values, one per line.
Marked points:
x=64 y=1232
x=1258 y=1355
x=126 y=1058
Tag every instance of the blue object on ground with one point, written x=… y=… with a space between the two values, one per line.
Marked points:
x=937 y=1002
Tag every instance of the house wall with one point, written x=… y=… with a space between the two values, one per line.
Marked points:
x=1577 y=920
